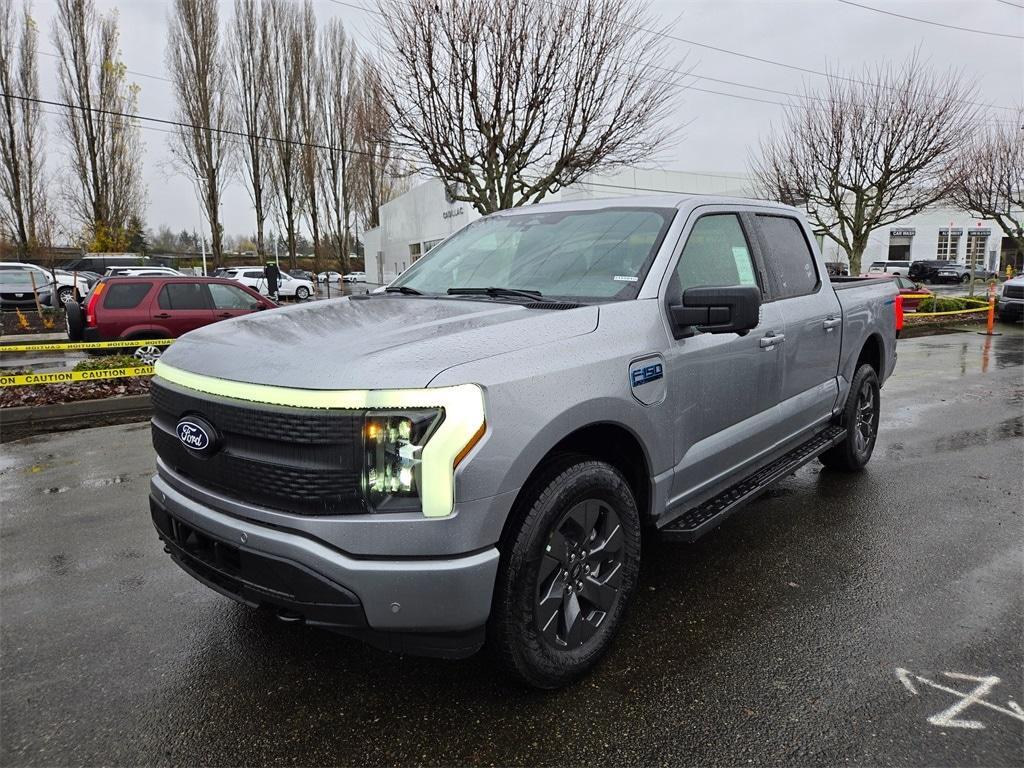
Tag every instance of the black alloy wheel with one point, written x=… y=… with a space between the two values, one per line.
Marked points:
x=580 y=575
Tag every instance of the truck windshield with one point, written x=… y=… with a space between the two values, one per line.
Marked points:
x=595 y=255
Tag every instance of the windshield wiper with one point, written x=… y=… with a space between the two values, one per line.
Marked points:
x=496 y=292
x=403 y=289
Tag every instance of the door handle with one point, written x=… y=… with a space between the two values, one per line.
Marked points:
x=162 y=316
x=772 y=339
x=832 y=322
x=224 y=314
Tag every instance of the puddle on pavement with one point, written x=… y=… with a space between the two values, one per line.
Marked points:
x=104 y=482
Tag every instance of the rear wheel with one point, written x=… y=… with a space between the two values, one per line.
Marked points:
x=860 y=417
x=567 y=573
x=73 y=321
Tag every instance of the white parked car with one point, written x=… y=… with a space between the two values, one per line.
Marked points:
x=890 y=267
x=288 y=287
x=66 y=289
x=329 y=277
x=143 y=272
x=355 y=277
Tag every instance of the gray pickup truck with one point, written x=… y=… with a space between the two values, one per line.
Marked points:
x=471 y=454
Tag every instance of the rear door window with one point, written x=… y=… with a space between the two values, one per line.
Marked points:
x=184 y=296
x=789 y=258
x=121 y=295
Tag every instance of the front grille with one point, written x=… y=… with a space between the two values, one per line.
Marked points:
x=301 y=460
x=1013 y=292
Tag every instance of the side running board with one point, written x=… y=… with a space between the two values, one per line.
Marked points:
x=697 y=521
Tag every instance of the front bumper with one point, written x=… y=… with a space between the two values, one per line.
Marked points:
x=1011 y=308
x=436 y=606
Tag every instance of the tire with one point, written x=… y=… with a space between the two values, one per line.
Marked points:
x=965 y=278
x=568 y=570
x=74 y=321
x=302 y=293
x=65 y=295
x=860 y=417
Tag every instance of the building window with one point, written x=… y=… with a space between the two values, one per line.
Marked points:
x=428 y=246
x=977 y=240
x=949 y=244
x=414 y=252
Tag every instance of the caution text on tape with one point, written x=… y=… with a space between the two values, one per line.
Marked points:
x=63 y=377
x=74 y=345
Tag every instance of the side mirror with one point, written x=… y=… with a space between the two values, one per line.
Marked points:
x=727 y=309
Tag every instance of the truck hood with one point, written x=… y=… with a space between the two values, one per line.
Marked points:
x=381 y=342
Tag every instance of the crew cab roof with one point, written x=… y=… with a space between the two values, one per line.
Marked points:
x=678 y=200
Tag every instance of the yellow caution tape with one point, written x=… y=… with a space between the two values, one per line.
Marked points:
x=63 y=377
x=73 y=345
x=951 y=312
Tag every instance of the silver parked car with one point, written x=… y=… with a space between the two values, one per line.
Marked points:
x=17 y=289
x=474 y=451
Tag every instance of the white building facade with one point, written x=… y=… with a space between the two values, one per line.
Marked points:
x=413 y=223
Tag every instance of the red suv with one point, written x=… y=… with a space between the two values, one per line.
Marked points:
x=157 y=308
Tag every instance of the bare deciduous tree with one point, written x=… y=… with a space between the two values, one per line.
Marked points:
x=284 y=111
x=988 y=179
x=198 y=68
x=378 y=172
x=310 y=83
x=863 y=154
x=105 y=189
x=250 y=68
x=508 y=100
x=22 y=184
x=338 y=65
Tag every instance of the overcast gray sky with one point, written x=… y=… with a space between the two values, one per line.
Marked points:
x=813 y=34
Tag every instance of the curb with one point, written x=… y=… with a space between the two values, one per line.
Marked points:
x=29 y=420
x=30 y=338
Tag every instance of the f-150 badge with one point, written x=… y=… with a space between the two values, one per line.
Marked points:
x=647 y=379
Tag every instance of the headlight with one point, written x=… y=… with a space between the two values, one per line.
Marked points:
x=392 y=446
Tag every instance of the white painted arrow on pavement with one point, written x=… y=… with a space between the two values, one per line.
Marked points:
x=947 y=718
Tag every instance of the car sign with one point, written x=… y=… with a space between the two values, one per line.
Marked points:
x=197 y=434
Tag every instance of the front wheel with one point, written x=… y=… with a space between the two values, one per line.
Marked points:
x=302 y=293
x=860 y=417
x=65 y=295
x=965 y=278
x=567 y=573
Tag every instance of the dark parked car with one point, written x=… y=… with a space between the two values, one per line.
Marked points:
x=158 y=308
x=302 y=274
x=926 y=271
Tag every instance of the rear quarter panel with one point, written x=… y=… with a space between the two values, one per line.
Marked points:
x=868 y=310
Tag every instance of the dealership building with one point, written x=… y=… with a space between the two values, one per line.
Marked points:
x=416 y=221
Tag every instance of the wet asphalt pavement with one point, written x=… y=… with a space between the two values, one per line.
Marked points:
x=776 y=639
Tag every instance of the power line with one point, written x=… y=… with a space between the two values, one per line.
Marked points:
x=740 y=54
x=193 y=126
x=932 y=23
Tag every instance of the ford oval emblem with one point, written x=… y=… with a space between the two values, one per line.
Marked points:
x=197 y=434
